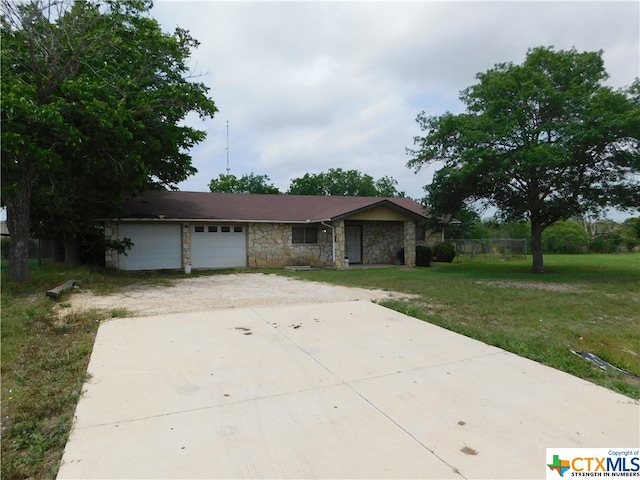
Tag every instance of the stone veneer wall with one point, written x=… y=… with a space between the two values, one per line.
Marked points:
x=269 y=245
x=410 y=244
x=111 y=259
x=381 y=241
x=338 y=227
x=186 y=244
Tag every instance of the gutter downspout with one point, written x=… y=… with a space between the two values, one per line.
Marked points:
x=333 y=240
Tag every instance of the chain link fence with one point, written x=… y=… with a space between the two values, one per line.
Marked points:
x=503 y=248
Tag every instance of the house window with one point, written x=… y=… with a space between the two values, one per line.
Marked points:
x=304 y=235
x=237 y=229
x=198 y=229
x=225 y=229
x=212 y=229
x=421 y=232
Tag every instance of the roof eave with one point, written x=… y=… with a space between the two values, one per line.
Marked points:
x=216 y=220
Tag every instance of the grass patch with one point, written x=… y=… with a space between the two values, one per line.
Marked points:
x=44 y=363
x=584 y=303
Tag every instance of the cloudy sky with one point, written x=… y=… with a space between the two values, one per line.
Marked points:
x=308 y=86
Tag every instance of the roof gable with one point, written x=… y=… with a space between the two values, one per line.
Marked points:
x=258 y=207
x=379 y=212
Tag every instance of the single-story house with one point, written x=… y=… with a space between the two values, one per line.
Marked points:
x=176 y=230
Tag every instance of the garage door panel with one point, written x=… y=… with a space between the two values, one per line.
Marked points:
x=155 y=246
x=218 y=246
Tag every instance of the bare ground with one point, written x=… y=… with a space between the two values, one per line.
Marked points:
x=554 y=287
x=221 y=291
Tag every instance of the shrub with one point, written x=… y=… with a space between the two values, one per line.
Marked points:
x=605 y=243
x=444 y=252
x=423 y=256
x=565 y=237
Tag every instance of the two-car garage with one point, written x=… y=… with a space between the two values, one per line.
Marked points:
x=160 y=246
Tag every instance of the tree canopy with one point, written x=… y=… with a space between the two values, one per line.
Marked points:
x=250 y=183
x=93 y=98
x=540 y=141
x=337 y=181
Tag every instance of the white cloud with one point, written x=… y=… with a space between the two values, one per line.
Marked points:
x=308 y=86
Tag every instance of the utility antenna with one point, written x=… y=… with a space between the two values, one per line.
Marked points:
x=227 y=149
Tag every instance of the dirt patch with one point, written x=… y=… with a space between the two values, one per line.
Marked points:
x=469 y=451
x=221 y=291
x=554 y=287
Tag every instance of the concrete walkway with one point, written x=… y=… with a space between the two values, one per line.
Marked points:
x=342 y=390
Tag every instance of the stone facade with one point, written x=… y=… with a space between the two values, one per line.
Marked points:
x=186 y=244
x=271 y=245
x=410 y=244
x=381 y=242
x=388 y=242
x=341 y=244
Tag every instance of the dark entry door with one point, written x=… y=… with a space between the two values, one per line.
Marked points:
x=353 y=236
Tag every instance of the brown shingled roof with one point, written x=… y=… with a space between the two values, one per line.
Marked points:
x=250 y=207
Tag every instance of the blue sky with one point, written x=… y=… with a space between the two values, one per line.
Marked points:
x=308 y=86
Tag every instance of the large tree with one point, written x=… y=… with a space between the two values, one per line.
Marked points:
x=337 y=181
x=250 y=183
x=93 y=99
x=540 y=141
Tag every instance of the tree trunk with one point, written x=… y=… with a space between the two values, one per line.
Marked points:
x=72 y=251
x=57 y=254
x=56 y=292
x=18 y=211
x=536 y=246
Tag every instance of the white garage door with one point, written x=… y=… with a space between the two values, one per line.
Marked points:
x=155 y=246
x=218 y=246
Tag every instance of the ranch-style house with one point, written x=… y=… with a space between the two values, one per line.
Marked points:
x=201 y=230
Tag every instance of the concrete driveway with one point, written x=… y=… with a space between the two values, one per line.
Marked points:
x=334 y=390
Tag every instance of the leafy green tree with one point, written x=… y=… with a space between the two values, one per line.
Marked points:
x=540 y=141
x=93 y=98
x=482 y=229
x=251 y=183
x=337 y=181
x=386 y=187
x=630 y=233
x=466 y=224
x=565 y=237
x=633 y=224
x=607 y=236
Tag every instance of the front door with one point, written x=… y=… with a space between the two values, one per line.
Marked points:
x=353 y=236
